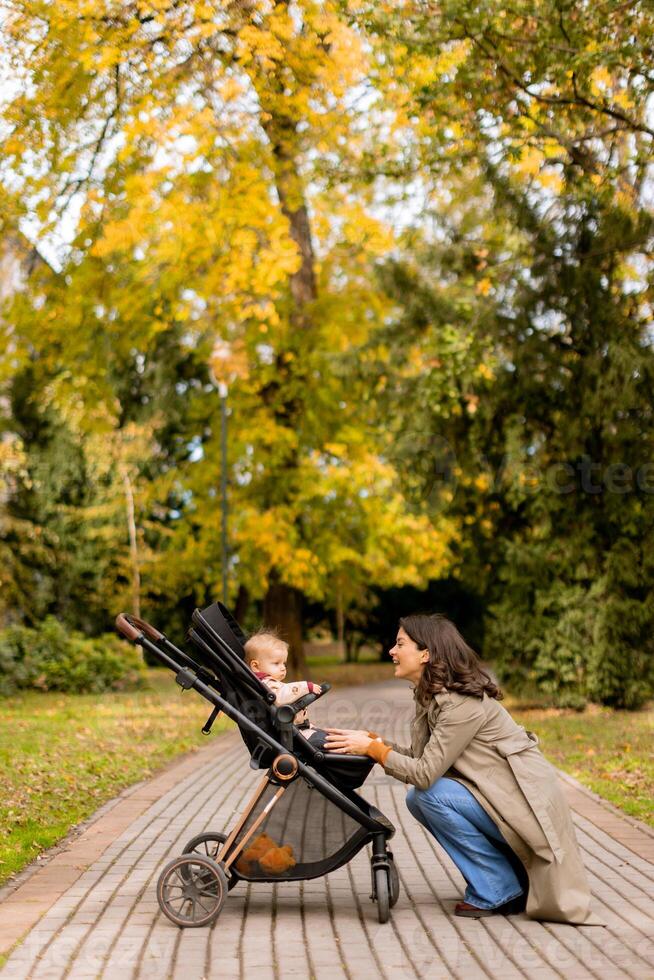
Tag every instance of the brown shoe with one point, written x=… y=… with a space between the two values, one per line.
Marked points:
x=471 y=911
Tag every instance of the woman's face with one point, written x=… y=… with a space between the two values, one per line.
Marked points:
x=408 y=658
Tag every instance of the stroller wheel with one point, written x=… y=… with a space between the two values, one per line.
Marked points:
x=382 y=894
x=208 y=845
x=191 y=890
x=394 y=881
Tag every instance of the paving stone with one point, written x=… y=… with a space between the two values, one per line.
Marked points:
x=99 y=916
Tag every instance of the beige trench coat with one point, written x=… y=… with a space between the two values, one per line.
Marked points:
x=479 y=744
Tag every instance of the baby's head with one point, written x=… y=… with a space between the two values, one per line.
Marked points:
x=267 y=654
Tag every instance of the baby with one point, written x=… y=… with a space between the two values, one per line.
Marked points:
x=266 y=655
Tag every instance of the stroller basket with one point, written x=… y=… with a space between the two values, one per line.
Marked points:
x=320 y=835
x=304 y=819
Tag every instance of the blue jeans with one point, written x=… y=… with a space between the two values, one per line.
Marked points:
x=492 y=872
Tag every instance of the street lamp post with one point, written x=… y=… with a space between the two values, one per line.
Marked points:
x=223 y=391
x=218 y=372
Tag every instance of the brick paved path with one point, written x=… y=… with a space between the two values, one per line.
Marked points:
x=101 y=917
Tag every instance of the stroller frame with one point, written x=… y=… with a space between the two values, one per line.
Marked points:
x=193 y=887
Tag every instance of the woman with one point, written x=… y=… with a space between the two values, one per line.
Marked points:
x=479 y=783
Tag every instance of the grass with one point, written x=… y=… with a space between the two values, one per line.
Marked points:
x=608 y=751
x=63 y=756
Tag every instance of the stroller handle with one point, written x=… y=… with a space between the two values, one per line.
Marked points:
x=132 y=627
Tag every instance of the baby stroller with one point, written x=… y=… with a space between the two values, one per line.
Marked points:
x=305 y=805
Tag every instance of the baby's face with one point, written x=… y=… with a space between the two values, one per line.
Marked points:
x=273 y=662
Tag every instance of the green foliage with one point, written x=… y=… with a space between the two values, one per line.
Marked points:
x=54 y=555
x=523 y=343
x=559 y=645
x=52 y=658
x=63 y=508
x=621 y=666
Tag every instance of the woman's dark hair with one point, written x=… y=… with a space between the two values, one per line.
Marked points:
x=452 y=665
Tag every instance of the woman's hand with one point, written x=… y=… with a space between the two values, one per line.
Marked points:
x=347 y=740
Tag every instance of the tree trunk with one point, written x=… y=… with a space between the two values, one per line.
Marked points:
x=241 y=605
x=133 y=543
x=291 y=199
x=282 y=608
x=283 y=603
x=340 y=626
x=351 y=649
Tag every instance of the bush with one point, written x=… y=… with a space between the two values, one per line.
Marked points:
x=563 y=647
x=577 y=644
x=51 y=658
x=621 y=668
